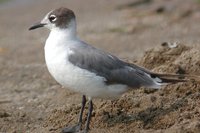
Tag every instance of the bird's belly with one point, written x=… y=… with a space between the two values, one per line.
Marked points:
x=75 y=78
x=83 y=81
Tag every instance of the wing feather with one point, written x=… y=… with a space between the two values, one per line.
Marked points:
x=114 y=70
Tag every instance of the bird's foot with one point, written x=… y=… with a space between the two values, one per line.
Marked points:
x=73 y=129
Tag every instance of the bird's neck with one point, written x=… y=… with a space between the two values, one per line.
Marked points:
x=68 y=33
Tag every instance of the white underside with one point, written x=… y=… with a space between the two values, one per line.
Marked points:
x=57 y=50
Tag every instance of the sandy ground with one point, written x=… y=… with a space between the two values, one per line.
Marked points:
x=31 y=101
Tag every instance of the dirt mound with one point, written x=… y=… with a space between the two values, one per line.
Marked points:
x=173 y=108
x=179 y=59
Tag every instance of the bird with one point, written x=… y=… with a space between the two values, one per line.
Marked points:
x=90 y=71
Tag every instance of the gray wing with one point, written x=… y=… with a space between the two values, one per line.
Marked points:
x=114 y=70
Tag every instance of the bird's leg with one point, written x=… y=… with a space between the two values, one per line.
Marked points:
x=77 y=127
x=89 y=116
x=82 y=109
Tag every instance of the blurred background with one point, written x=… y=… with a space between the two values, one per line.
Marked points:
x=30 y=99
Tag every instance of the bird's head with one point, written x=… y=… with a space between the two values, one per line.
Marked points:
x=62 y=18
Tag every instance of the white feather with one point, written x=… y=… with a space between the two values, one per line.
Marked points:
x=57 y=50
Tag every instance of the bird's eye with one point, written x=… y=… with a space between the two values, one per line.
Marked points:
x=52 y=18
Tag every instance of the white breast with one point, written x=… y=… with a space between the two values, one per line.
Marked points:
x=57 y=50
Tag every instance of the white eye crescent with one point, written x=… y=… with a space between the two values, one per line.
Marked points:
x=52 y=18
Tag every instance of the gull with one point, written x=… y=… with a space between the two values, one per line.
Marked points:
x=90 y=71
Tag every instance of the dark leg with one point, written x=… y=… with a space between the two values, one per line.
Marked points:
x=82 y=109
x=77 y=127
x=89 y=116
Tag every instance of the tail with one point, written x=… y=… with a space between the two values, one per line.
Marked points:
x=156 y=80
x=164 y=79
